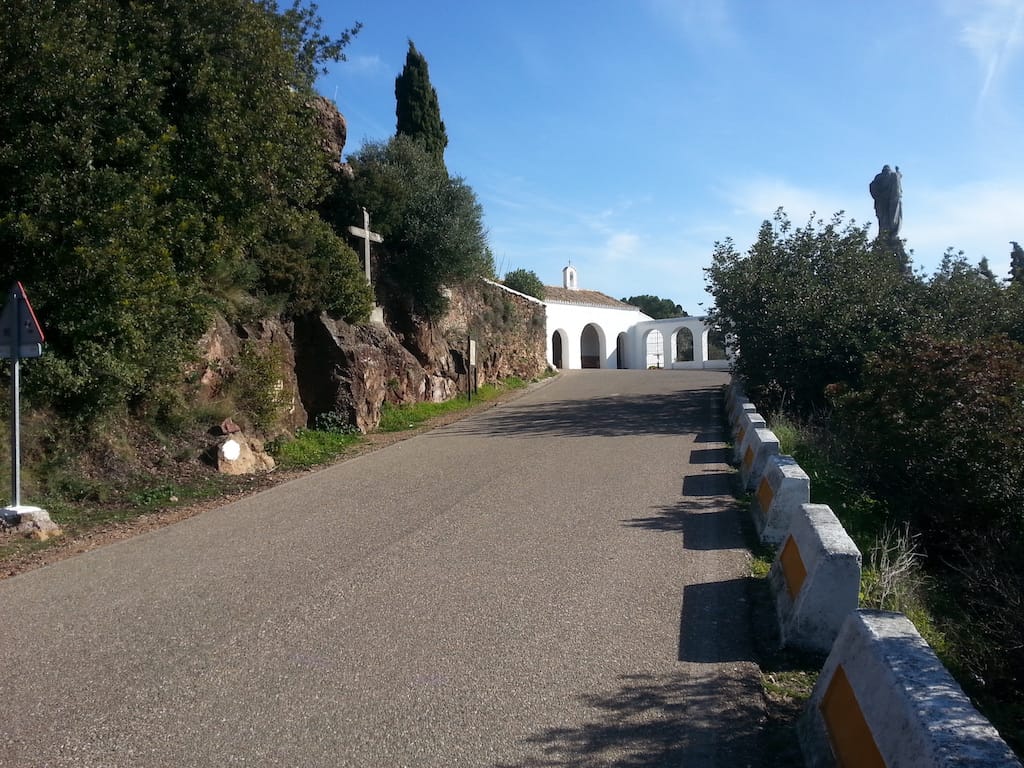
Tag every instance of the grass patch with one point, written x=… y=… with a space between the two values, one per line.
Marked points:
x=398 y=418
x=311 y=447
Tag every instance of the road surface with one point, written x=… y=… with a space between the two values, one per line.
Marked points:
x=558 y=581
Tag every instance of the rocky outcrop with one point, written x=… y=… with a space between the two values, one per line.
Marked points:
x=333 y=129
x=509 y=330
x=221 y=355
x=352 y=370
x=317 y=364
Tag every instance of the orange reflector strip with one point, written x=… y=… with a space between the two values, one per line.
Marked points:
x=792 y=567
x=748 y=459
x=851 y=737
x=765 y=494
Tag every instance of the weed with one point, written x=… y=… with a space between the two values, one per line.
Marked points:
x=311 y=447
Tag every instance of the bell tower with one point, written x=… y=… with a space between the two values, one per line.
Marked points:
x=570 y=279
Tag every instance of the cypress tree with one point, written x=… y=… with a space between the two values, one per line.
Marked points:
x=417 y=108
x=1016 y=263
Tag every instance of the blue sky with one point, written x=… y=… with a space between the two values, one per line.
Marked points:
x=629 y=135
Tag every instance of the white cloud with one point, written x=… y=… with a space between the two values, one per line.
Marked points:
x=362 y=64
x=760 y=197
x=622 y=246
x=979 y=218
x=994 y=32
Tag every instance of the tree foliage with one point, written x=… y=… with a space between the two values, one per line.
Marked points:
x=416 y=106
x=1016 y=263
x=150 y=155
x=921 y=379
x=805 y=306
x=525 y=281
x=431 y=222
x=656 y=307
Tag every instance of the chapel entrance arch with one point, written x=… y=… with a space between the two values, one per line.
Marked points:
x=620 y=352
x=590 y=347
x=557 y=355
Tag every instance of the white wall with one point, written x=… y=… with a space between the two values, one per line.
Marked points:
x=570 y=319
x=669 y=328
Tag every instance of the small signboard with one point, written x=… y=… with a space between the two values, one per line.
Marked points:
x=472 y=351
x=20 y=333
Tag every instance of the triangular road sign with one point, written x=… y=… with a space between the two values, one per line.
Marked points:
x=19 y=330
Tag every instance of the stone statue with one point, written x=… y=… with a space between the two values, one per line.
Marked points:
x=887 y=192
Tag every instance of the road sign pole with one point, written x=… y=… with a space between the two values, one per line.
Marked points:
x=15 y=432
x=16 y=407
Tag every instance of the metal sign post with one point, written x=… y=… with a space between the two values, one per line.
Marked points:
x=20 y=336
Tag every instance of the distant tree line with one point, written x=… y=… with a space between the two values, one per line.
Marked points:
x=656 y=307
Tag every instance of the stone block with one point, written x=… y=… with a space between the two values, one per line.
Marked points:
x=748 y=422
x=815 y=579
x=758 y=445
x=783 y=489
x=883 y=698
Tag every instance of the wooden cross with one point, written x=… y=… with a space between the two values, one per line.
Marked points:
x=366 y=235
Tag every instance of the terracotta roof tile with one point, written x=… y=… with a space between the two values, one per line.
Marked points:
x=559 y=295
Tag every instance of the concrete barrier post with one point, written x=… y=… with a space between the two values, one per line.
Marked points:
x=759 y=446
x=783 y=489
x=815 y=579
x=743 y=408
x=748 y=422
x=884 y=699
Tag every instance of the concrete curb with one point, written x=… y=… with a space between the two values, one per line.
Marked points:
x=884 y=698
x=784 y=487
x=759 y=445
x=815 y=579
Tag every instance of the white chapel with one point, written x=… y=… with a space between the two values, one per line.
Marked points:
x=589 y=329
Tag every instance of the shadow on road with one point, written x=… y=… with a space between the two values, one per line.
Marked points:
x=612 y=416
x=653 y=721
x=711 y=615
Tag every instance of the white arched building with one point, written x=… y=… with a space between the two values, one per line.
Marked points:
x=589 y=329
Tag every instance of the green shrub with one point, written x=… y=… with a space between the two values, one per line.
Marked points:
x=937 y=428
x=253 y=384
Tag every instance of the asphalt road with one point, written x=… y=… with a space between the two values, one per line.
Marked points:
x=558 y=581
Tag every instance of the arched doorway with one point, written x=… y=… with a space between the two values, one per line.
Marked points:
x=620 y=352
x=716 y=346
x=590 y=347
x=556 y=350
x=684 y=345
x=654 y=349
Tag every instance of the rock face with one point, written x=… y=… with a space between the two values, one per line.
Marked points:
x=333 y=128
x=351 y=370
x=317 y=364
x=509 y=331
x=221 y=355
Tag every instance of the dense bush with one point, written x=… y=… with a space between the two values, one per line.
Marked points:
x=143 y=149
x=805 y=306
x=926 y=380
x=937 y=428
